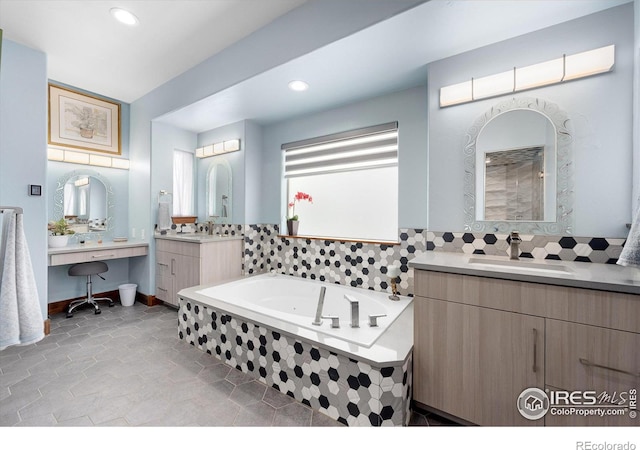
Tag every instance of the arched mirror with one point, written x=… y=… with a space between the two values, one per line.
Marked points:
x=85 y=199
x=219 y=195
x=518 y=169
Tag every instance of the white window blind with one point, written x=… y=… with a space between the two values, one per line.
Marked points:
x=353 y=179
x=364 y=148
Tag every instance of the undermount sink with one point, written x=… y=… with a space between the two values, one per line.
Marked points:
x=519 y=265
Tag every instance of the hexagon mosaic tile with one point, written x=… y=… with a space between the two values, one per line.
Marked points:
x=345 y=389
x=364 y=264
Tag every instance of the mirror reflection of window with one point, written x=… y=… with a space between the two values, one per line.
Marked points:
x=183 y=179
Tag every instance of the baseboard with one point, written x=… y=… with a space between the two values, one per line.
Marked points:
x=62 y=305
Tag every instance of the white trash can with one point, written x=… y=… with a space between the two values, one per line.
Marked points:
x=127 y=294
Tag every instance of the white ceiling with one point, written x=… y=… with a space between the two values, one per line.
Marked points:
x=386 y=57
x=86 y=48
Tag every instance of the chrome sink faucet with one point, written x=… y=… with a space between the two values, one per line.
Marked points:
x=355 y=311
x=516 y=240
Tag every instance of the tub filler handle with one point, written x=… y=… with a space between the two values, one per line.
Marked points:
x=355 y=311
x=335 y=321
x=317 y=320
x=373 y=319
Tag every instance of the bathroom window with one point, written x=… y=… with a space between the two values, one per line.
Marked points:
x=353 y=180
x=183 y=183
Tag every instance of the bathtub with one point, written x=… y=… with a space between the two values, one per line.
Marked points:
x=295 y=300
x=262 y=325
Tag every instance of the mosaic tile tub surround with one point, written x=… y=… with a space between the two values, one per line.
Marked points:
x=352 y=392
x=364 y=264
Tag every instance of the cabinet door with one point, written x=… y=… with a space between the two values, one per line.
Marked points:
x=164 y=279
x=186 y=273
x=587 y=358
x=474 y=362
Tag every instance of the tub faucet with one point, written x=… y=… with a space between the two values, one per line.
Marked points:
x=515 y=245
x=317 y=321
x=355 y=311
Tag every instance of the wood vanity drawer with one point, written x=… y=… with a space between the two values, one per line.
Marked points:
x=592 y=307
x=59 y=259
x=587 y=358
x=178 y=247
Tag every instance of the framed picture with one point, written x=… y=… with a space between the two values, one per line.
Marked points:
x=83 y=122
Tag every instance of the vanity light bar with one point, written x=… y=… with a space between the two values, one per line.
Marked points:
x=569 y=67
x=89 y=159
x=218 y=148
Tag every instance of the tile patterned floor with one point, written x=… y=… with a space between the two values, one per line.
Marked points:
x=126 y=367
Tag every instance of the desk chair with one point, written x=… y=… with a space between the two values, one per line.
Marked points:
x=87 y=270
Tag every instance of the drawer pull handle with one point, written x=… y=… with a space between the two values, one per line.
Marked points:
x=588 y=363
x=165 y=265
x=535 y=350
x=103 y=256
x=161 y=289
x=173 y=270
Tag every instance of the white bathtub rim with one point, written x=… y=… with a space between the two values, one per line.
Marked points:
x=391 y=349
x=364 y=335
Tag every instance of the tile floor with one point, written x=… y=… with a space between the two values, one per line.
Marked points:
x=127 y=367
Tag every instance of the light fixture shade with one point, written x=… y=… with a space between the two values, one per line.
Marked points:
x=120 y=163
x=55 y=154
x=208 y=150
x=98 y=160
x=589 y=63
x=549 y=72
x=76 y=157
x=456 y=93
x=200 y=152
x=498 y=84
x=232 y=145
x=218 y=148
x=81 y=181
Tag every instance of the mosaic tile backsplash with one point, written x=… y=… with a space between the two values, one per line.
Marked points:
x=364 y=264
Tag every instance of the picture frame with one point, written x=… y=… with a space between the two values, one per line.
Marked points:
x=84 y=122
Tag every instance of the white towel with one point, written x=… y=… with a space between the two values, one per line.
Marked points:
x=164 y=216
x=630 y=255
x=21 y=321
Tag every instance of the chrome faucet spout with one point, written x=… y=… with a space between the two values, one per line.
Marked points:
x=516 y=240
x=318 y=319
x=355 y=311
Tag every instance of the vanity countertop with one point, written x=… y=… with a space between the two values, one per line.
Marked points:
x=199 y=237
x=605 y=277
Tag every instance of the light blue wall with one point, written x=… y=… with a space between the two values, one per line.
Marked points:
x=600 y=109
x=408 y=107
x=314 y=24
x=253 y=172
x=235 y=159
x=61 y=286
x=23 y=147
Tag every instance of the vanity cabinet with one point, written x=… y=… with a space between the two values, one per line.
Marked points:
x=184 y=264
x=479 y=342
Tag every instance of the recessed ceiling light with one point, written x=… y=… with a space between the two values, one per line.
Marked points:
x=124 y=16
x=298 y=85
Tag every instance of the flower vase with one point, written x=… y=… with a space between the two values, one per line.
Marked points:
x=58 y=241
x=292 y=227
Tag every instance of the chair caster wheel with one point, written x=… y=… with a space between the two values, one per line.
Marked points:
x=98 y=311
x=69 y=315
x=111 y=305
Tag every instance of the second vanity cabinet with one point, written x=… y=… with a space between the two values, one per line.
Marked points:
x=479 y=342
x=183 y=263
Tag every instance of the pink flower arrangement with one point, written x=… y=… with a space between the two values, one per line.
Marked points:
x=300 y=196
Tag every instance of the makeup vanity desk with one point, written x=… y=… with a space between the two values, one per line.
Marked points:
x=79 y=253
